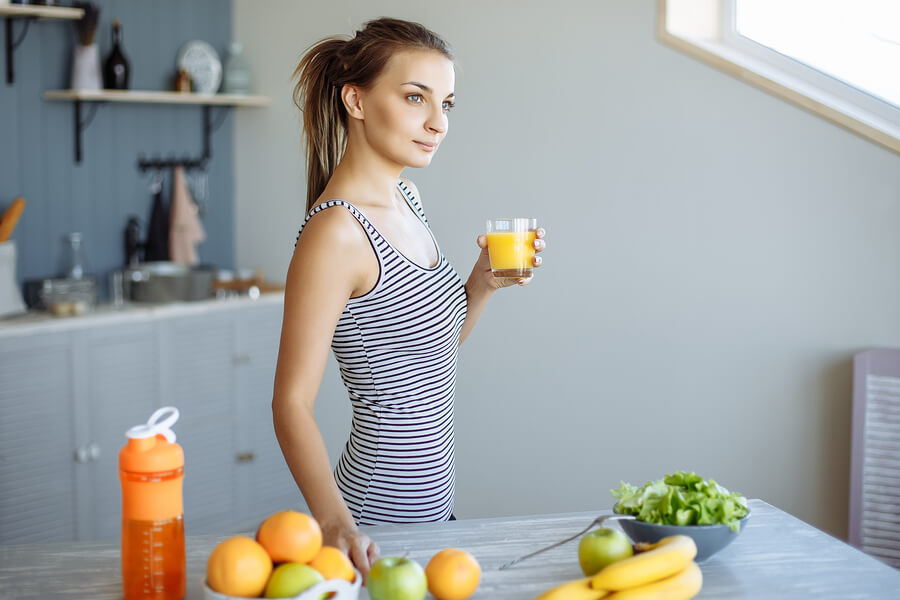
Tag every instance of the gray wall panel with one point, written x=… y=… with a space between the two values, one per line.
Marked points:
x=97 y=196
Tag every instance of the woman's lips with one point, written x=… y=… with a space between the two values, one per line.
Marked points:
x=425 y=146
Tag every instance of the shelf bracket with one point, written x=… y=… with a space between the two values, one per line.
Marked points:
x=80 y=126
x=11 y=46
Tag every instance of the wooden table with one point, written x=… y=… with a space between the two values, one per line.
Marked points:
x=776 y=556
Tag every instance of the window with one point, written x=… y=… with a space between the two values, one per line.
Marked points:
x=837 y=58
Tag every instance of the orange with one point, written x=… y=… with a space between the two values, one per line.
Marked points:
x=332 y=563
x=452 y=574
x=238 y=567
x=290 y=536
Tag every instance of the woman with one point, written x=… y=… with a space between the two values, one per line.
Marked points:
x=368 y=279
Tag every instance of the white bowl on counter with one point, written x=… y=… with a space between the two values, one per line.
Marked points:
x=341 y=590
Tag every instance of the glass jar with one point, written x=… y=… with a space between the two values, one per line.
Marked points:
x=73 y=264
x=237 y=71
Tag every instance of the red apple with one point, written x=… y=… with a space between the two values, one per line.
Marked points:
x=396 y=578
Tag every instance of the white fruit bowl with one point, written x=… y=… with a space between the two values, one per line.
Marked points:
x=339 y=588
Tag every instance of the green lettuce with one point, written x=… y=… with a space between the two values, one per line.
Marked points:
x=681 y=499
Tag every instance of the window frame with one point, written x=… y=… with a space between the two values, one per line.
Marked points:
x=705 y=29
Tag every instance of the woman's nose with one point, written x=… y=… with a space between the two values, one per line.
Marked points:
x=437 y=122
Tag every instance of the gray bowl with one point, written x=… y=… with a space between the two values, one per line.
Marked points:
x=709 y=538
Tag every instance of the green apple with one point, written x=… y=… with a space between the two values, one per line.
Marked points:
x=396 y=578
x=601 y=547
x=289 y=579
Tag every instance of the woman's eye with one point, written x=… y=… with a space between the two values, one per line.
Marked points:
x=416 y=98
x=448 y=105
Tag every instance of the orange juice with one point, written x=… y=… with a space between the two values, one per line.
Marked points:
x=511 y=253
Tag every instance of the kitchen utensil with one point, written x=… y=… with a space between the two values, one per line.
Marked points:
x=708 y=538
x=156 y=246
x=10 y=218
x=341 y=590
x=202 y=63
x=599 y=521
x=163 y=281
x=10 y=297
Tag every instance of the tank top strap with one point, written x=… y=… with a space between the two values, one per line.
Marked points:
x=413 y=201
x=378 y=243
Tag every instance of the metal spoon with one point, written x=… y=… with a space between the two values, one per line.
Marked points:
x=595 y=523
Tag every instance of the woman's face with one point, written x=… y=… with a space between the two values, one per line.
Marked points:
x=405 y=110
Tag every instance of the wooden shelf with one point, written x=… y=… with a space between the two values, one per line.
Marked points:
x=156 y=97
x=28 y=13
x=41 y=12
x=207 y=101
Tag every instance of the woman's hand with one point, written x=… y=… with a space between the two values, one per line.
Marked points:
x=483 y=264
x=358 y=546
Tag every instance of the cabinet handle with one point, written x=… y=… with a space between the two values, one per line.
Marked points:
x=81 y=454
x=246 y=457
x=93 y=450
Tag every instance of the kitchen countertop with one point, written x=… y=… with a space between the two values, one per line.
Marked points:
x=40 y=321
x=776 y=556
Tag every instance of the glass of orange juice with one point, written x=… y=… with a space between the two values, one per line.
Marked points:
x=511 y=246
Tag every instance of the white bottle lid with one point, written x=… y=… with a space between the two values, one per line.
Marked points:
x=156 y=425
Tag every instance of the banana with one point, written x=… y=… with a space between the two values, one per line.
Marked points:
x=666 y=557
x=680 y=586
x=579 y=589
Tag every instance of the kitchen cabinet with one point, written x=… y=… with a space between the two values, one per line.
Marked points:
x=67 y=398
x=37 y=478
x=115 y=386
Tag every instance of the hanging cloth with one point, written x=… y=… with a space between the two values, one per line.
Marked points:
x=185 y=229
x=157 y=245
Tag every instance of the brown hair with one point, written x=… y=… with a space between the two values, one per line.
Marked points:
x=330 y=64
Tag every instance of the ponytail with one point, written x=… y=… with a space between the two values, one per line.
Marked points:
x=324 y=117
x=324 y=70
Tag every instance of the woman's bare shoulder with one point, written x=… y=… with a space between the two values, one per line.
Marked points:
x=335 y=227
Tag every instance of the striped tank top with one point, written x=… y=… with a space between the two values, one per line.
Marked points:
x=397 y=348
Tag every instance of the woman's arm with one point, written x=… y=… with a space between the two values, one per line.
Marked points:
x=333 y=261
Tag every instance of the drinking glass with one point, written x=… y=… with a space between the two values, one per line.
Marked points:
x=511 y=246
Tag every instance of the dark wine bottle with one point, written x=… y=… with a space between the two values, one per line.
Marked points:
x=116 y=71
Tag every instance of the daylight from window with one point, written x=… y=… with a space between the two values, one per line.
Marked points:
x=855 y=41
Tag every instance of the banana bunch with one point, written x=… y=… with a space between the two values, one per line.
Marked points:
x=664 y=571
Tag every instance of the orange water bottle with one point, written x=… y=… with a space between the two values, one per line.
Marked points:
x=151 y=469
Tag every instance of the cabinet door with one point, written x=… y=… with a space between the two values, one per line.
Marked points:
x=36 y=440
x=121 y=389
x=196 y=360
x=266 y=485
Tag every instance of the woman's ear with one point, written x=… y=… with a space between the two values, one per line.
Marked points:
x=352 y=98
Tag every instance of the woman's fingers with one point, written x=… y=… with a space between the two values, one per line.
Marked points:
x=538 y=261
x=539 y=242
x=373 y=552
x=360 y=556
x=481 y=241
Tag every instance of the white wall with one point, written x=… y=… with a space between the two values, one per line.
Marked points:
x=716 y=256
